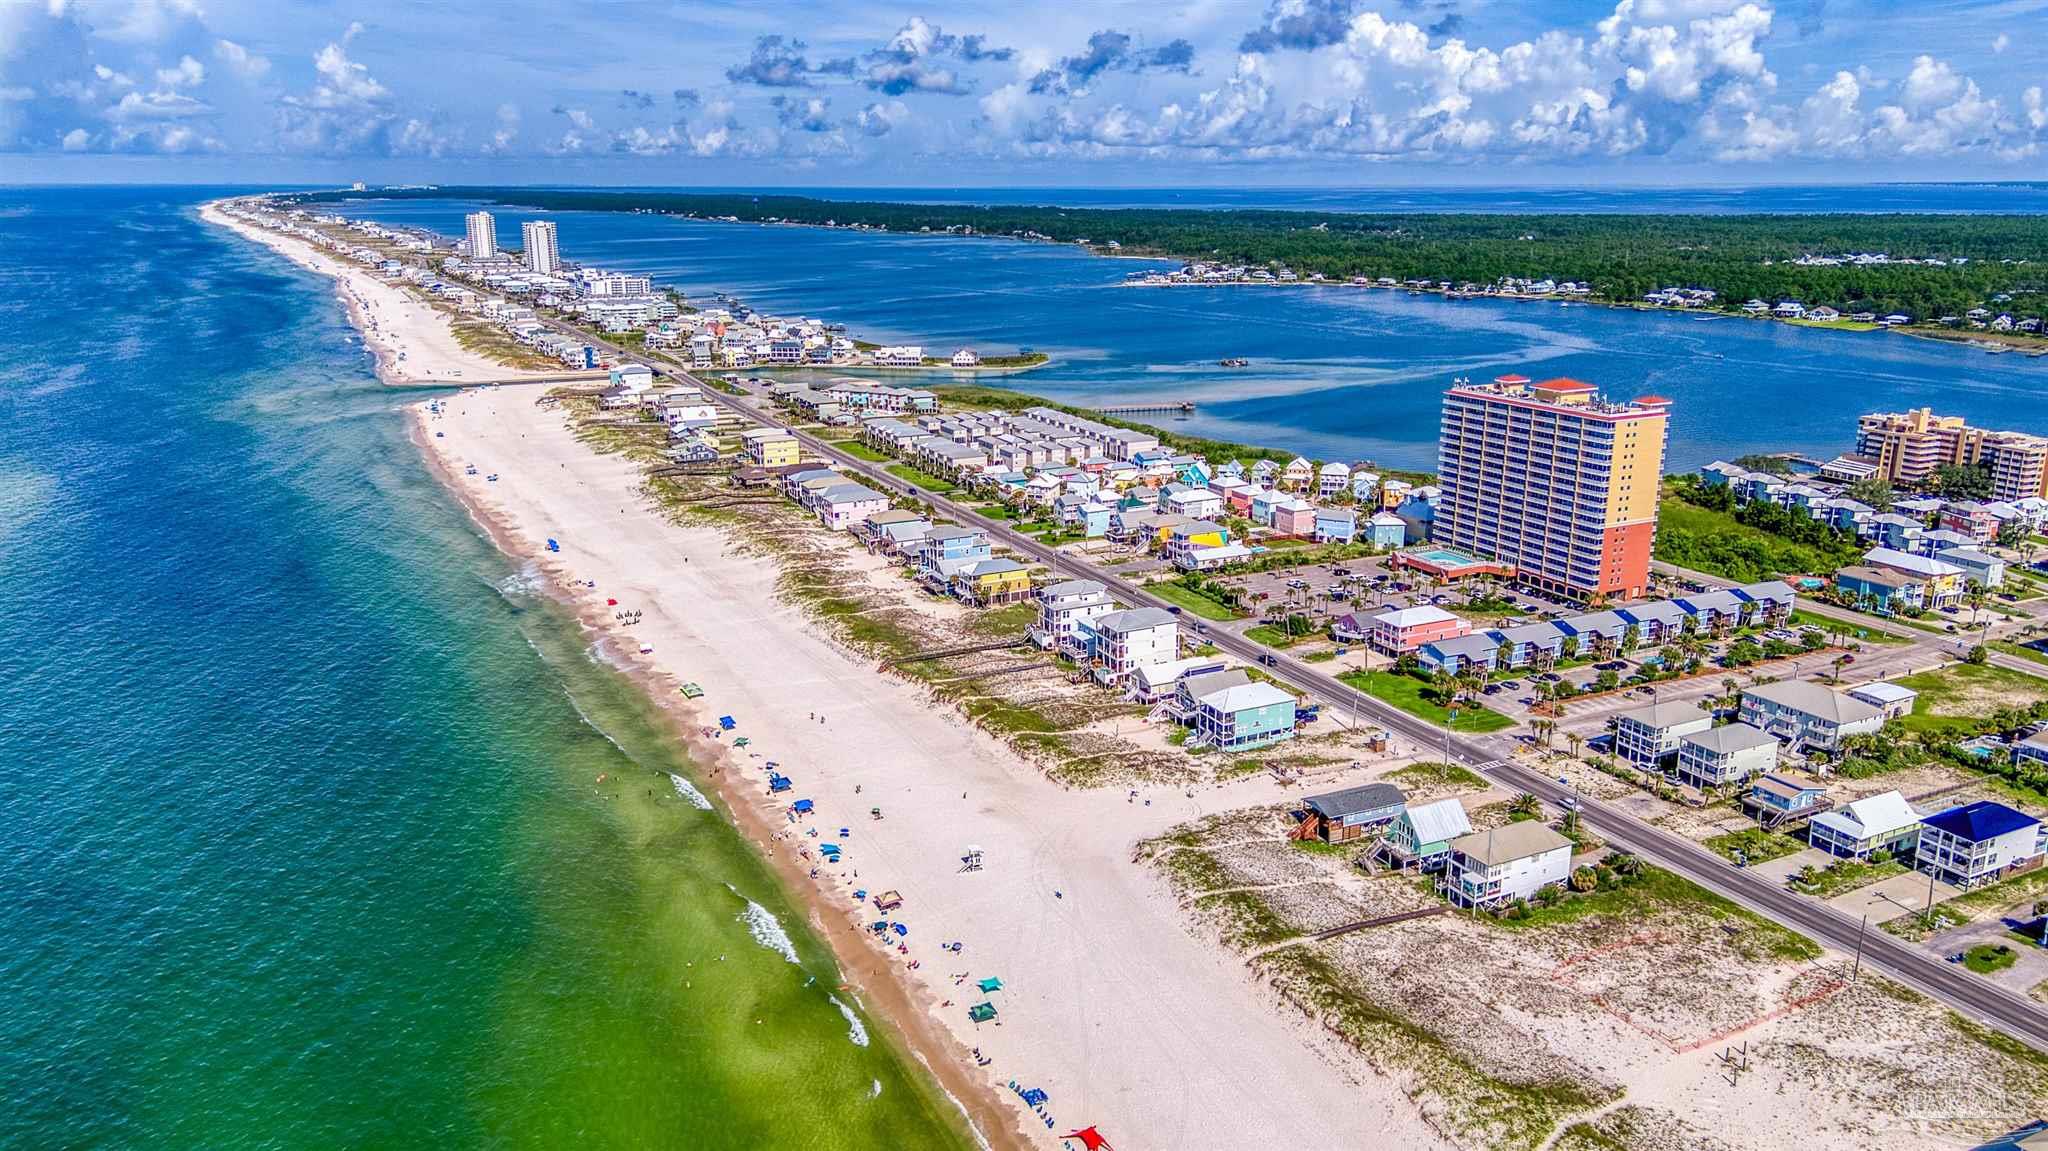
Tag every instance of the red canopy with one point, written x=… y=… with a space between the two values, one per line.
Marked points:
x=1090 y=1138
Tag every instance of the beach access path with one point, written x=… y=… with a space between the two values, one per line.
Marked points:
x=1110 y=1003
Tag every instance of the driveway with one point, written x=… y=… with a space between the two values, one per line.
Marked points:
x=1784 y=867
x=2030 y=971
x=1888 y=899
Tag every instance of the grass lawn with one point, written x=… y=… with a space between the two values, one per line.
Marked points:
x=1846 y=875
x=1953 y=698
x=1863 y=632
x=1989 y=899
x=1717 y=543
x=1986 y=958
x=861 y=451
x=1271 y=636
x=929 y=483
x=1405 y=692
x=2021 y=650
x=1754 y=844
x=1181 y=597
x=1423 y=774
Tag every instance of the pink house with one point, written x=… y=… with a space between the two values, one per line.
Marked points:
x=1292 y=517
x=1239 y=500
x=1406 y=629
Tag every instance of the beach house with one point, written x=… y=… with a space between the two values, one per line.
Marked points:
x=1342 y=816
x=846 y=506
x=1880 y=590
x=1804 y=714
x=1717 y=756
x=1065 y=608
x=1457 y=653
x=1510 y=862
x=945 y=550
x=1402 y=630
x=1884 y=822
x=1648 y=736
x=1943 y=580
x=1980 y=568
x=1194 y=503
x=1386 y=530
x=992 y=581
x=896 y=532
x=1336 y=525
x=770 y=447
x=1297 y=475
x=1294 y=517
x=1121 y=640
x=1977 y=843
x=1242 y=716
x=1777 y=798
x=1332 y=479
x=1420 y=837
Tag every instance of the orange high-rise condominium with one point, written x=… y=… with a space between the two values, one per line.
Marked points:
x=1554 y=479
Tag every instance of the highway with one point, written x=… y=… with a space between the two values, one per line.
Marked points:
x=1970 y=994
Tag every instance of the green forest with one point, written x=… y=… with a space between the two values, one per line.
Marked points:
x=1620 y=256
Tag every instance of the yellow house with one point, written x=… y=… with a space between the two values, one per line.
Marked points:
x=993 y=581
x=771 y=447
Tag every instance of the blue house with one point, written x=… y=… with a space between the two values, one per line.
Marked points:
x=1336 y=525
x=1386 y=530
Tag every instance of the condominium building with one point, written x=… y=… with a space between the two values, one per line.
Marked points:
x=1910 y=447
x=1554 y=479
x=538 y=238
x=483 y=235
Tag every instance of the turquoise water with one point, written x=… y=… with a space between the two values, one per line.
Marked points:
x=317 y=829
x=1335 y=373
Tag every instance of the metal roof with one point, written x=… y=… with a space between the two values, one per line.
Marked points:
x=1352 y=800
x=1979 y=821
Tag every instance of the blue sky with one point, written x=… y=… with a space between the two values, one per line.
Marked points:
x=1105 y=92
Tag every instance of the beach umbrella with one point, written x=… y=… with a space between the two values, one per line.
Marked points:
x=1090 y=1138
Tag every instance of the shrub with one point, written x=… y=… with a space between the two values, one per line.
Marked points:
x=1585 y=879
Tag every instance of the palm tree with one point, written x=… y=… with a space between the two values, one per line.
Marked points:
x=1575 y=740
x=1840 y=662
x=1525 y=804
x=1626 y=864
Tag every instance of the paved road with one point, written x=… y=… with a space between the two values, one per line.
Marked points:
x=1917 y=968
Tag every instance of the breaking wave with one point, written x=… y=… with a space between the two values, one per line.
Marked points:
x=766 y=929
x=689 y=792
x=855 y=1029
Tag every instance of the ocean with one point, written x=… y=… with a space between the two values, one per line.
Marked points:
x=1335 y=373
x=319 y=827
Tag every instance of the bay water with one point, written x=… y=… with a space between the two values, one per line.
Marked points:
x=1336 y=372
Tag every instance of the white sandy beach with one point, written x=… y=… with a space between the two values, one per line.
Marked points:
x=413 y=343
x=1109 y=1002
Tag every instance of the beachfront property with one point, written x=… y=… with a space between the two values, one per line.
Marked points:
x=1510 y=862
x=1807 y=715
x=1238 y=716
x=847 y=505
x=1717 y=756
x=1342 y=816
x=1884 y=822
x=1065 y=608
x=1554 y=480
x=943 y=550
x=1400 y=631
x=1157 y=682
x=770 y=447
x=896 y=532
x=1421 y=837
x=1332 y=478
x=1121 y=641
x=1777 y=799
x=1648 y=736
x=1890 y=700
x=992 y=581
x=1977 y=843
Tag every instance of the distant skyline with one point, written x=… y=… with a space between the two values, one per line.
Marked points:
x=814 y=93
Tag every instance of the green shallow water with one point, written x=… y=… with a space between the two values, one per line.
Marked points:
x=300 y=815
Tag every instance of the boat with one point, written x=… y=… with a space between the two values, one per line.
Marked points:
x=1234 y=362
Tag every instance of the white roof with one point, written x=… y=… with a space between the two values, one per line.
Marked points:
x=1442 y=820
x=1414 y=616
x=1881 y=693
x=1246 y=696
x=1815 y=700
x=1907 y=562
x=1871 y=816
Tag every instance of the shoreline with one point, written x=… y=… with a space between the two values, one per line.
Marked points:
x=413 y=343
x=879 y=997
x=1107 y=988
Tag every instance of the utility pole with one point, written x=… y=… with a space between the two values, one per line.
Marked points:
x=1857 y=967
